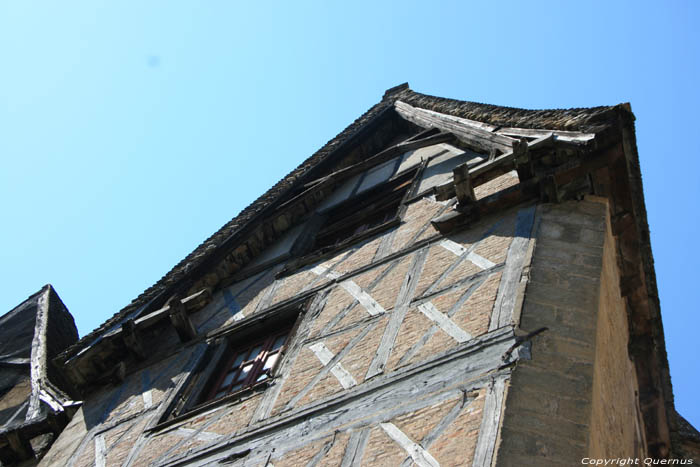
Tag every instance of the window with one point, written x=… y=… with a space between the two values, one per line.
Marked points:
x=365 y=214
x=247 y=365
x=236 y=363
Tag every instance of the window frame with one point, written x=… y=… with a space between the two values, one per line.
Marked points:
x=258 y=364
x=404 y=182
x=189 y=398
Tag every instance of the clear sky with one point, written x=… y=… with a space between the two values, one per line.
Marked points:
x=130 y=131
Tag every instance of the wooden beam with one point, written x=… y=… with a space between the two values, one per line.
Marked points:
x=181 y=320
x=568 y=136
x=476 y=135
x=523 y=160
x=20 y=445
x=131 y=338
x=464 y=189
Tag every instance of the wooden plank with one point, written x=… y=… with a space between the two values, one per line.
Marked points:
x=490 y=423
x=325 y=356
x=362 y=297
x=415 y=348
x=468 y=254
x=355 y=448
x=515 y=261
x=463 y=254
x=473 y=135
x=569 y=136
x=403 y=300
x=465 y=121
x=326 y=369
x=420 y=456
x=100 y=451
x=38 y=363
x=443 y=322
x=322 y=452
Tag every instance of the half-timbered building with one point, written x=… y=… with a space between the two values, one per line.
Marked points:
x=443 y=283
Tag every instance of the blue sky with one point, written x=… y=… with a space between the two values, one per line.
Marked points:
x=131 y=131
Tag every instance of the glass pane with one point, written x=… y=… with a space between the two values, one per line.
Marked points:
x=255 y=352
x=220 y=394
x=270 y=362
x=279 y=342
x=245 y=370
x=262 y=377
x=228 y=379
x=238 y=360
x=236 y=387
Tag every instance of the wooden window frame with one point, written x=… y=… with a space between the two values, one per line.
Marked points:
x=362 y=206
x=195 y=394
x=258 y=365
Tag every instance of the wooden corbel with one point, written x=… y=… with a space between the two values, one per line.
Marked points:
x=132 y=339
x=522 y=160
x=463 y=185
x=20 y=444
x=181 y=320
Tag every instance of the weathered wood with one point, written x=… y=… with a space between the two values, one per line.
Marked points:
x=478 y=280
x=19 y=444
x=515 y=261
x=324 y=355
x=464 y=189
x=443 y=322
x=385 y=397
x=522 y=159
x=490 y=422
x=561 y=135
x=355 y=448
x=403 y=300
x=330 y=365
x=38 y=363
x=132 y=339
x=477 y=136
x=100 y=451
x=420 y=456
x=181 y=320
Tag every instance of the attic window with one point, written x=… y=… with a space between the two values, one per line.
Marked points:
x=247 y=364
x=237 y=363
x=366 y=213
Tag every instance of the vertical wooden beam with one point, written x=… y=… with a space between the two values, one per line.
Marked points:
x=522 y=160
x=463 y=185
x=181 y=320
x=132 y=339
x=20 y=445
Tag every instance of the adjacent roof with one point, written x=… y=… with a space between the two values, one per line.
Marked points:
x=580 y=119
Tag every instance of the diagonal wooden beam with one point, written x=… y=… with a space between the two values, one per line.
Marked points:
x=476 y=135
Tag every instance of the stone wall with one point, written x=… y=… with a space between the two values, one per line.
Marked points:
x=576 y=397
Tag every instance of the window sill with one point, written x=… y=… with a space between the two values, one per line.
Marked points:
x=238 y=396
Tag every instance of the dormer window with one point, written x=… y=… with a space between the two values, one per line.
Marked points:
x=365 y=214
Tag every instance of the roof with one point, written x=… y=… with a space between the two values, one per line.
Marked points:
x=579 y=119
